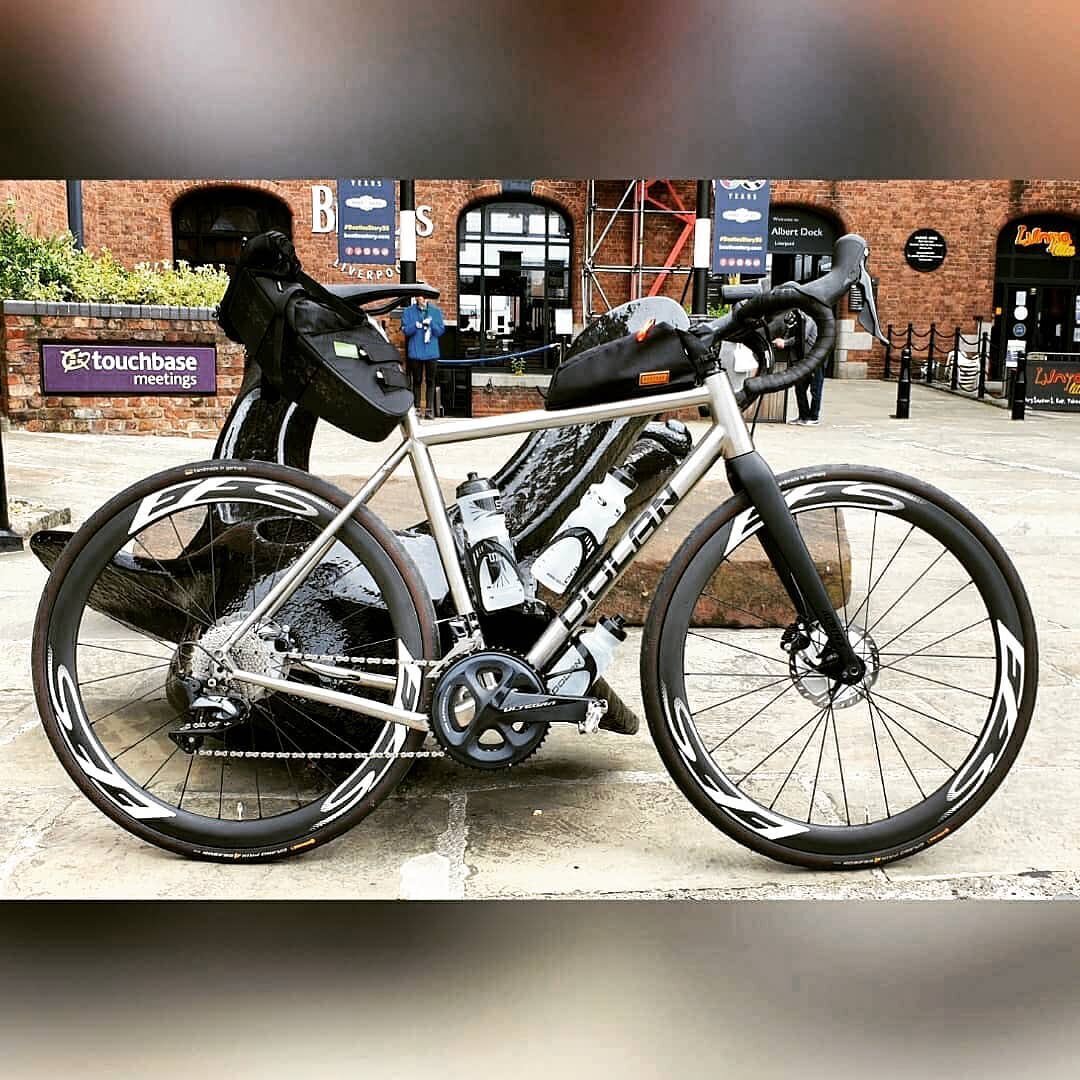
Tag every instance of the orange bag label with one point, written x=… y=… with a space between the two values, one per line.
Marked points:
x=654 y=378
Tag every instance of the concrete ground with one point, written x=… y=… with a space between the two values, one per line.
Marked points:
x=597 y=816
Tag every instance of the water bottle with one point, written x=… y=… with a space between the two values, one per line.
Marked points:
x=490 y=549
x=587 y=658
x=584 y=530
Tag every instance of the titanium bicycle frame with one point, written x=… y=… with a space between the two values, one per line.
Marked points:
x=728 y=437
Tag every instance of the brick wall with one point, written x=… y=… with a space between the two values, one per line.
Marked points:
x=968 y=213
x=40 y=205
x=26 y=406
x=133 y=218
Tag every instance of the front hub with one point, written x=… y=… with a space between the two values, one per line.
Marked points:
x=816 y=682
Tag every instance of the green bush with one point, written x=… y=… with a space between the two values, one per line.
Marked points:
x=53 y=268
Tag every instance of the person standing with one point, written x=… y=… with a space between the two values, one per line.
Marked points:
x=422 y=324
x=797 y=339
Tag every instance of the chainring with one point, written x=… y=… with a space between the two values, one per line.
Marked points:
x=466 y=720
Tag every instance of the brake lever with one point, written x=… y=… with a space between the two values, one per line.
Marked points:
x=868 y=317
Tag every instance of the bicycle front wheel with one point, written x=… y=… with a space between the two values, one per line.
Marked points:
x=140 y=601
x=804 y=768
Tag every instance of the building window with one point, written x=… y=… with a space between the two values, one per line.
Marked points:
x=210 y=225
x=1036 y=289
x=513 y=277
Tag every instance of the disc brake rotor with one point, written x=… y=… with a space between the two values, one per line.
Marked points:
x=822 y=690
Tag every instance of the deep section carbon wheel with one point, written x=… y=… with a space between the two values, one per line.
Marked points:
x=148 y=724
x=800 y=766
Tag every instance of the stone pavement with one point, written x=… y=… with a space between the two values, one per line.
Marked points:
x=588 y=816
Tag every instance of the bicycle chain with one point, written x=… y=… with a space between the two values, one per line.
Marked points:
x=339 y=658
x=296 y=755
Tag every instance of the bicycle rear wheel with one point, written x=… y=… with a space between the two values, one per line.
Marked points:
x=803 y=768
x=140 y=598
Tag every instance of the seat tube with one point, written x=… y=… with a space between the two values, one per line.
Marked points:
x=431 y=497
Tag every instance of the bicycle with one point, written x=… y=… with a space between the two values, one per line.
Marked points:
x=786 y=670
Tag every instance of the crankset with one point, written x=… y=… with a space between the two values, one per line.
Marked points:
x=490 y=710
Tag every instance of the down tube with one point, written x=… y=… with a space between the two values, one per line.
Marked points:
x=640 y=530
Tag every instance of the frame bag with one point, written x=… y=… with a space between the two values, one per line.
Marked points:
x=657 y=361
x=311 y=346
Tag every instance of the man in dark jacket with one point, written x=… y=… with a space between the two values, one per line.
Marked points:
x=797 y=338
x=422 y=324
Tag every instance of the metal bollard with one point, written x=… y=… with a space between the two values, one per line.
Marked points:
x=1019 y=386
x=903 y=386
x=9 y=540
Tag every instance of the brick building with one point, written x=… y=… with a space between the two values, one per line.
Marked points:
x=517 y=260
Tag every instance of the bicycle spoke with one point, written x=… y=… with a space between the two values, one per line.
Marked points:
x=740 y=648
x=727 y=675
x=885 y=726
x=172 y=577
x=187 y=556
x=802 y=727
x=866 y=599
x=840 y=763
x=919 y=712
x=119 y=674
x=877 y=754
x=187 y=777
x=936 y=607
x=128 y=704
x=795 y=765
x=941 y=554
x=870 y=572
x=929 y=749
x=781 y=598
x=312 y=720
x=752 y=716
x=940 y=640
x=840 y=564
x=936 y=682
x=145 y=785
x=213 y=571
x=817 y=773
x=745 y=693
x=116 y=757
x=127 y=652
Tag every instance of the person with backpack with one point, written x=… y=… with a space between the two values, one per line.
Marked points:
x=422 y=324
x=797 y=339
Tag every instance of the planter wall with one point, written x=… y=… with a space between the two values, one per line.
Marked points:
x=25 y=325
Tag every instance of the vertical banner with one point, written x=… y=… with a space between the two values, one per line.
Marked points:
x=365 y=216
x=741 y=227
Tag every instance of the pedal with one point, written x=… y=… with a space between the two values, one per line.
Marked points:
x=586 y=712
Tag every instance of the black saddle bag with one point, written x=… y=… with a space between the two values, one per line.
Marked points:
x=659 y=361
x=311 y=346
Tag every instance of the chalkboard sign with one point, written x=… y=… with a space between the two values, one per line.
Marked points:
x=925 y=250
x=1053 y=384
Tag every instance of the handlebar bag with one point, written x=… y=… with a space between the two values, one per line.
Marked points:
x=659 y=361
x=316 y=351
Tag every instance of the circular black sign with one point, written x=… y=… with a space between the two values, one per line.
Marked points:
x=925 y=250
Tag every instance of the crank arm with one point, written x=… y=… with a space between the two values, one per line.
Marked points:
x=586 y=712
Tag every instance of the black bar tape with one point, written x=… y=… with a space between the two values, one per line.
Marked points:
x=786 y=298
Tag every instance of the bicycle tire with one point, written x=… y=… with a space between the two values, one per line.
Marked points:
x=119 y=798
x=717 y=796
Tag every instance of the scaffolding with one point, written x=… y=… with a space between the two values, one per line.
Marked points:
x=641 y=199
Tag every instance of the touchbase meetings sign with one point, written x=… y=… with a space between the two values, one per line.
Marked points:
x=84 y=368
